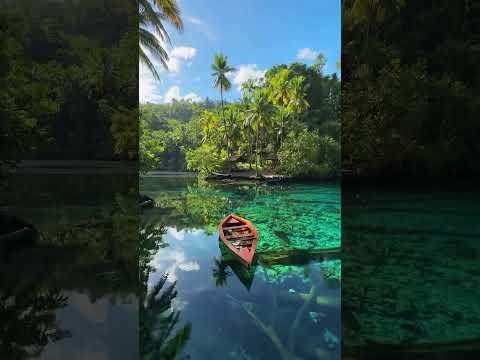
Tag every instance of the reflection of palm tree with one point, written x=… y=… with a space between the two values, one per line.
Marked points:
x=152 y=13
x=220 y=272
x=150 y=235
x=157 y=321
x=28 y=323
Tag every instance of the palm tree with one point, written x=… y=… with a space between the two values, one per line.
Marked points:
x=282 y=115
x=220 y=81
x=319 y=64
x=297 y=102
x=152 y=13
x=247 y=88
x=259 y=114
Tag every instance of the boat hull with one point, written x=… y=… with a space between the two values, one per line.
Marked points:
x=239 y=236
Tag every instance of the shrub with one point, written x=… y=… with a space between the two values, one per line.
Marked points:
x=205 y=159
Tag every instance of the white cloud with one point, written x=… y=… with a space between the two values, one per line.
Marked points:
x=173 y=93
x=148 y=86
x=245 y=72
x=183 y=52
x=307 y=54
x=192 y=97
x=202 y=27
x=194 y=20
x=178 y=56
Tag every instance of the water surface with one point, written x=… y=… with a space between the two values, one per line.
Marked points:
x=73 y=293
x=287 y=306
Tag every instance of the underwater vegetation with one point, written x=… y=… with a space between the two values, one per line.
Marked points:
x=286 y=305
x=410 y=281
x=287 y=217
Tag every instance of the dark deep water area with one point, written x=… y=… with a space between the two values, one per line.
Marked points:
x=72 y=294
x=410 y=271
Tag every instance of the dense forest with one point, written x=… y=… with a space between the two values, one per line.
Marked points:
x=287 y=123
x=410 y=82
x=69 y=79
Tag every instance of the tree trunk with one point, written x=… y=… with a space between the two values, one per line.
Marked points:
x=224 y=121
x=256 y=150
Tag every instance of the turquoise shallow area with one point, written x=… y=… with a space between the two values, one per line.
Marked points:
x=411 y=267
x=286 y=306
x=299 y=216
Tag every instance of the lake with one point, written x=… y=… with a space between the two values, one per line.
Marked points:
x=409 y=271
x=286 y=306
x=410 y=267
x=74 y=294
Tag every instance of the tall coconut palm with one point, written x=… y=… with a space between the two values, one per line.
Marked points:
x=296 y=90
x=247 y=88
x=281 y=117
x=152 y=14
x=259 y=113
x=220 y=70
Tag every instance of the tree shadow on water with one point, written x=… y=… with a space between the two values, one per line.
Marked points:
x=160 y=337
x=28 y=322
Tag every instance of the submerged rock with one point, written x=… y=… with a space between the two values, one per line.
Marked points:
x=16 y=234
x=330 y=338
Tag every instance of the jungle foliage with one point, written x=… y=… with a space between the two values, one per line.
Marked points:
x=410 y=99
x=68 y=79
x=258 y=132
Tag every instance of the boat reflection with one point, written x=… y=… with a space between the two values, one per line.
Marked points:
x=243 y=272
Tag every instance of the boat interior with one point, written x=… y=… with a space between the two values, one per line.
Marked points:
x=238 y=233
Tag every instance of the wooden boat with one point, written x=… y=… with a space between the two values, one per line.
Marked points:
x=240 y=237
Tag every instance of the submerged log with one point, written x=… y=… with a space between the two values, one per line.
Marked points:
x=16 y=234
x=290 y=257
x=146 y=202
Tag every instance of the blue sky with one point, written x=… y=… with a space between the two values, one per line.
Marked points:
x=253 y=34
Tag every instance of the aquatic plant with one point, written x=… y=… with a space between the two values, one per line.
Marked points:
x=298 y=317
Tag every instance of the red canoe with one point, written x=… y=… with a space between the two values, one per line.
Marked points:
x=240 y=236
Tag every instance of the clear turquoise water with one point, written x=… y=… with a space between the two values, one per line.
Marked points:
x=286 y=307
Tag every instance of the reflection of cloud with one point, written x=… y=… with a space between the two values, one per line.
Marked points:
x=178 y=304
x=189 y=266
x=179 y=235
x=173 y=261
x=94 y=312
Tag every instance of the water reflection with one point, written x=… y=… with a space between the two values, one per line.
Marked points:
x=158 y=339
x=286 y=305
x=70 y=292
x=28 y=320
x=220 y=272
